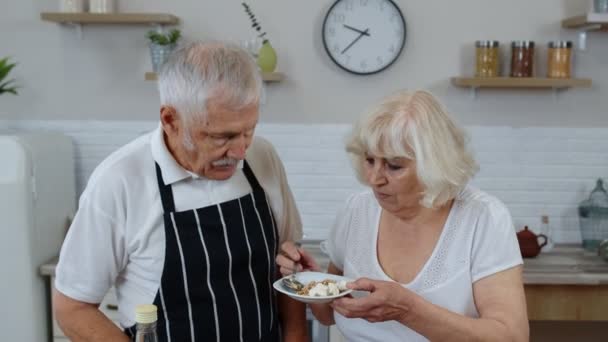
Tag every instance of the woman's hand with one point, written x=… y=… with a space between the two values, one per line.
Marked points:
x=387 y=301
x=293 y=258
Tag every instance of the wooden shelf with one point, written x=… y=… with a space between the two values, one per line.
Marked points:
x=273 y=76
x=266 y=76
x=110 y=18
x=590 y=21
x=524 y=82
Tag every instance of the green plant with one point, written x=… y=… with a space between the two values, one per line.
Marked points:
x=164 y=38
x=6 y=86
x=254 y=23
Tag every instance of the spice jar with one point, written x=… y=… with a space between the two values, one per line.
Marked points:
x=72 y=6
x=522 y=58
x=487 y=58
x=102 y=6
x=559 y=56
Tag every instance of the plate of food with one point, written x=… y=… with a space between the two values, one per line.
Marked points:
x=313 y=287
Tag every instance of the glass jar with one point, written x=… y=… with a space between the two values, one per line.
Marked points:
x=522 y=58
x=102 y=6
x=72 y=6
x=593 y=217
x=559 y=57
x=487 y=58
x=600 y=6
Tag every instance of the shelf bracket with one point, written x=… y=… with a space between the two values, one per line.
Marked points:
x=79 y=31
x=556 y=91
x=582 y=35
x=473 y=93
x=160 y=28
x=78 y=27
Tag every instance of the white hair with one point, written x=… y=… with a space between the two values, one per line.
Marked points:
x=198 y=71
x=416 y=126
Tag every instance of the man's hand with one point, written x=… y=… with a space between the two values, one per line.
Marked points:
x=293 y=258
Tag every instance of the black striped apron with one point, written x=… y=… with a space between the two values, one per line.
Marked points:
x=219 y=267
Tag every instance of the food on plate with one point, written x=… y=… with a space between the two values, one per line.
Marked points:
x=323 y=288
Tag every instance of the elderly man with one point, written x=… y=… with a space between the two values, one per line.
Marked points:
x=188 y=217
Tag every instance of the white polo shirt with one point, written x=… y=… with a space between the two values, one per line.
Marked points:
x=117 y=237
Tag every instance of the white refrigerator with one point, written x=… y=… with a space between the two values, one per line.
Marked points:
x=37 y=198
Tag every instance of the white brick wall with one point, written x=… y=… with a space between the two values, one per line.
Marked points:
x=535 y=171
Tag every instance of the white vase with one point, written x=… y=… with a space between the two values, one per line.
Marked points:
x=72 y=6
x=102 y=6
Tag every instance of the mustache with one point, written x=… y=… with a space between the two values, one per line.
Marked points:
x=225 y=162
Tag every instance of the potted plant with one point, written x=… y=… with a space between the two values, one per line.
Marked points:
x=161 y=46
x=266 y=56
x=6 y=86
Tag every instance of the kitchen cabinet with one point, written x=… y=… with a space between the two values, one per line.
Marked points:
x=566 y=284
x=567 y=302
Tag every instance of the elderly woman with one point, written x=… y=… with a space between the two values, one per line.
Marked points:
x=437 y=258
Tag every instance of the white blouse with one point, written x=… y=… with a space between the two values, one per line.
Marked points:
x=478 y=240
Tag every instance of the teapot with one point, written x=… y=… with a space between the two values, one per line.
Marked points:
x=528 y=243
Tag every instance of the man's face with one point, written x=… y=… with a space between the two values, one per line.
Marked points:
x=213 y=148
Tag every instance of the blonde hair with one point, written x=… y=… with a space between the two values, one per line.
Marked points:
x=416 y=126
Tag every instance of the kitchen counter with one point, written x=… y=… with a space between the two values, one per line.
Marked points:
x=48 y=269
x=564 y=265
x=565 y=284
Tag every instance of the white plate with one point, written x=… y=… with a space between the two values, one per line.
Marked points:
x=307 y=277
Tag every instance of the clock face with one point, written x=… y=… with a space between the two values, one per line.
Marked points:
x=364 y=36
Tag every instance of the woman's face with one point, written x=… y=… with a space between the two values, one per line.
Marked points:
x=394 y=181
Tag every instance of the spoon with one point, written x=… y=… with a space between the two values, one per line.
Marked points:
x=292 y=283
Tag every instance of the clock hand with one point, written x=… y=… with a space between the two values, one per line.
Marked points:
x=356 y=39
x=356 y=30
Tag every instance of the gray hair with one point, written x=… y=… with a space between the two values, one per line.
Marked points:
x=198 y=71
x=416 y=126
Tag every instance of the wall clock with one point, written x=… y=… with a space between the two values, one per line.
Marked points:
x=364 y=36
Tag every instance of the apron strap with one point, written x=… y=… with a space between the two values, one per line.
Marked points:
x=166 y=193
x=255 y=185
